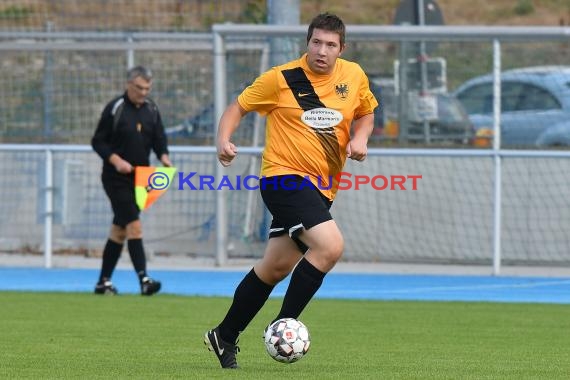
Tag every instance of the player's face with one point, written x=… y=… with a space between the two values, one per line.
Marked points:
x=138 y=89
x=322 y=51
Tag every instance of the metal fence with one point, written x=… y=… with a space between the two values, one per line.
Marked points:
x=55 y=84
x=53 y=204
x=479 y=207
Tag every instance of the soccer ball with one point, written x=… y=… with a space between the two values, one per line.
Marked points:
x=287 y=340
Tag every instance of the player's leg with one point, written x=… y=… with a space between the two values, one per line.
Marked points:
x=136 y=248
x=119 y=189
x=325 y=245
x=111 y=255
x=135 y=245
x=112 y=251
x=115 y=241
x=281 y=255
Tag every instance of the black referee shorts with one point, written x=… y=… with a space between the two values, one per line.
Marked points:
x=120 y=190
x=295 y=204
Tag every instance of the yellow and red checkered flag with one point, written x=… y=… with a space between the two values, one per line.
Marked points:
x=151 y=182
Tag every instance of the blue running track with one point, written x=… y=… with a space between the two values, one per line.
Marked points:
x=336 y=285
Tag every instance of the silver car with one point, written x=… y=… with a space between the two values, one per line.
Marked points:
x=535 y=106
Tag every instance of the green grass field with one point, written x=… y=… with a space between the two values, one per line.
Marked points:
x=82 y=336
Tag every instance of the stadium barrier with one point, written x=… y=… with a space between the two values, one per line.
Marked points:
x=53 y=203
x=488 y=206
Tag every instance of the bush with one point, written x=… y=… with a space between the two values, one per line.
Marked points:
x=524 y=7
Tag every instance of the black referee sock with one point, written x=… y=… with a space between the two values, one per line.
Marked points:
x=305 y=281
x=249 y=298
x=136 y=251
x=111 y=254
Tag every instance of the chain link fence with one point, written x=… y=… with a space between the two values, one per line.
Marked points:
x=126 y=15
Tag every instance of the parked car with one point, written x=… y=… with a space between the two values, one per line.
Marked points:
x=535 y=106
x=448 y=123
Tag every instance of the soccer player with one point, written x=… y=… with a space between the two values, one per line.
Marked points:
x=129 y=127
x=311 y=103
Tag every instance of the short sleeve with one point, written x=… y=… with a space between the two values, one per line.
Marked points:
x=262 y=95
x=368 y=101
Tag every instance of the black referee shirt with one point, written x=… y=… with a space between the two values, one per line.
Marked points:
x=136 y=132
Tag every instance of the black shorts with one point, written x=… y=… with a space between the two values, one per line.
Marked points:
x=295 y=204
x=120 y=190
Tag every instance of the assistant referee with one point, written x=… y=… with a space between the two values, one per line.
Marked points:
x=129 y=127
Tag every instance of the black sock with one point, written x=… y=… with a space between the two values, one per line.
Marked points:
x=305 y=281
x=249 y=298
x=111 y=254
x=136 y=251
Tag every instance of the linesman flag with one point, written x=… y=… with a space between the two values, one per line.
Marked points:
x=151 y=182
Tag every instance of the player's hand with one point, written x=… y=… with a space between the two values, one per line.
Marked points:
x=123 y=167
x=357 y=150
x=227 y=151
x=165 y=160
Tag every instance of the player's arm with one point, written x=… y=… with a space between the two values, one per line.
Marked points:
x=229 y=122
x=363 y=124
x=160 y=141
x=101 y=143
x=362 y=129
x=101 y=140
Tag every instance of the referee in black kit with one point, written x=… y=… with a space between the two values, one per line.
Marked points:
x=129 y=127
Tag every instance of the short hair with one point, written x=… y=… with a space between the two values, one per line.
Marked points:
x=139 y=71
x=330 y=22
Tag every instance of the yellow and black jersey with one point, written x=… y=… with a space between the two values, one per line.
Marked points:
x=308 y=118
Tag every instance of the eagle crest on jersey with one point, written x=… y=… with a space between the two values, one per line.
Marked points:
x=341 y=90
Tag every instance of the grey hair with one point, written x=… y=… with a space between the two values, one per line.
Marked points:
x=139 y=71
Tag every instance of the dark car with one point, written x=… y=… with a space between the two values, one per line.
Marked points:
x=202 y=127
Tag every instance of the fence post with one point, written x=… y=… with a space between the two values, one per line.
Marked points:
x=48 y=217
x=130 y=53
x=497 y=156
x=219 y=106
x=48 y=88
